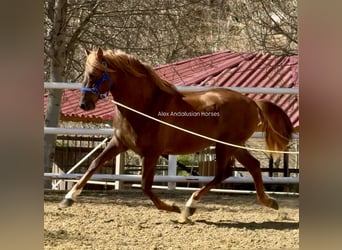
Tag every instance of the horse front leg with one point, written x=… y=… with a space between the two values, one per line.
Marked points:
x=113 y=148
x=148 y=169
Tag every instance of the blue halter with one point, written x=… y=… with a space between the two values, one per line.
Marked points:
x=95 y=89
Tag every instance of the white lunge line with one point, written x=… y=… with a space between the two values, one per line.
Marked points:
x=200 y=135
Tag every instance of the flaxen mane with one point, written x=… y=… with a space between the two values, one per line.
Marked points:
x=127 y=63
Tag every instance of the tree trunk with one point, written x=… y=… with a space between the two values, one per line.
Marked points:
x=58 y=59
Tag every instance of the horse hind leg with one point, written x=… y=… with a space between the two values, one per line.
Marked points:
x=113 y=148
x=253 y=166
x=223 y=171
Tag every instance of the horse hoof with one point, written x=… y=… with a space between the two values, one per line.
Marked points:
x=188 y=211
x=66 y=203
x=274 y=204
x=184 y=220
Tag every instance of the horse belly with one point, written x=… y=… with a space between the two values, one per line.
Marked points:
x=182 y=143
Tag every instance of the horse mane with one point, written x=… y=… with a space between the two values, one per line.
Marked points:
x=120 y=60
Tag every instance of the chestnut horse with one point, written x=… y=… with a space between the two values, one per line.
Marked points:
x=218 y=113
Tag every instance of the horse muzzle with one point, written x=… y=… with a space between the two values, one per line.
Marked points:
x=87 y=105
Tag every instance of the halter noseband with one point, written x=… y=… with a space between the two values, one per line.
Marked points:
x=95 y=89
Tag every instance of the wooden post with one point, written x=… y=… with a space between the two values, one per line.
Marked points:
x=286 y=165
x=286 y=171
x=119 y=169
x=270 y=167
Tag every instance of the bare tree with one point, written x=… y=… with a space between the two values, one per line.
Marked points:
x=56 y=52
x=57 y=47
x=164 y=31
x=267 y=25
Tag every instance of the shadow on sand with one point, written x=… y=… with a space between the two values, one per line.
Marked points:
x=276 y=225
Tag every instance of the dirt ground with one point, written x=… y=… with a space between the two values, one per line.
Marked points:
x=128 y=220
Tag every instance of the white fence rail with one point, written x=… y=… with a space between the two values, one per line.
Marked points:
x=79 y=131
x=110 y=131
x=163 y=178
x=169 y=178
x=291 y=91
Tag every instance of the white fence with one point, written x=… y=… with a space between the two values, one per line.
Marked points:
x=291 y=91
x=171 y=178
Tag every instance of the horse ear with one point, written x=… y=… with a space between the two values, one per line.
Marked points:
x=87 y=52
x=99 y=53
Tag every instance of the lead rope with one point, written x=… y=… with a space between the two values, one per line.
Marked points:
x=200 y=135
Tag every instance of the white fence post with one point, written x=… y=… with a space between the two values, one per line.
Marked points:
x=172 y=170
x=119 y=169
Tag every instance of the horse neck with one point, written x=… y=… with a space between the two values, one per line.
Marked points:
x=136 y=93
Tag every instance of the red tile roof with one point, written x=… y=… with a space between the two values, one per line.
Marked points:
x=223 y=69
x=70 y=110
x=231 y=69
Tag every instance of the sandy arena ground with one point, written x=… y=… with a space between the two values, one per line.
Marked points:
x=128 y=220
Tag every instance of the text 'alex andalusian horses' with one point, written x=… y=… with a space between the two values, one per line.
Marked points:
x=229 y=117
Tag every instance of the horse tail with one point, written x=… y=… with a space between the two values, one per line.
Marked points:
x=277 y=126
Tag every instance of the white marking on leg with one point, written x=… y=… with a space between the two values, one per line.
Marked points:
x=73 y=193
x=192 y=202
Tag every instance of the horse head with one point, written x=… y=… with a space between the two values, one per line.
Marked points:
x=114 y=69
x=97 y=81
